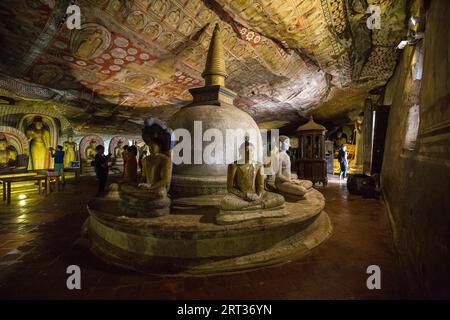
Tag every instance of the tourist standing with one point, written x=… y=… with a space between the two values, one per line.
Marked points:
x=101 y=168
x=131 y=168
x=58 y=157
x=125 y=158
x=343 y=162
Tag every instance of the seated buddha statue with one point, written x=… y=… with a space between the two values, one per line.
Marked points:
x=149 y=198
x=90 y=152
x=246 y=198
x=285 y=184
x=7 y=157
x=118 y=150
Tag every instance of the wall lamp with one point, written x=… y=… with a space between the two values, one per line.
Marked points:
x=415 y=32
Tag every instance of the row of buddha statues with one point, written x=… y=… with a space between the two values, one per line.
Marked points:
x=250 y=194
x=38 y=153
x=89 y=153
x=38 y=139
x=248 y=189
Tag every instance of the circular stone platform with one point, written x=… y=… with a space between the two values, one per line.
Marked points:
x=191 y=243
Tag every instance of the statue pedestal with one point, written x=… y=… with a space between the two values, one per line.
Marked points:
x=192 y=243
x=136 y=202
x=87 y=169
x=117 y=166
x=190 y=185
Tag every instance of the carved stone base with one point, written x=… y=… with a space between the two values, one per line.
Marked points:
x=193 y=243
x=87 y=169
x=187 y=185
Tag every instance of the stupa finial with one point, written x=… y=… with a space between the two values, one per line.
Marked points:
x=215 y=71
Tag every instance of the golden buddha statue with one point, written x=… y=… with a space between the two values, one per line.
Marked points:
x=7 y=156
x=246 y=193
x=90 y=152
x=39 y=139
x=70 y=151
x=289 y=186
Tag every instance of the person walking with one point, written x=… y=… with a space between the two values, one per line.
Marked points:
x=343 y=162
x=58 y=157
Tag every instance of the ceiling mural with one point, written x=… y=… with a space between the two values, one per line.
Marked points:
x=135 y=59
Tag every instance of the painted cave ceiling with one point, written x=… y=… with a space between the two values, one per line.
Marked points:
x=135 y=59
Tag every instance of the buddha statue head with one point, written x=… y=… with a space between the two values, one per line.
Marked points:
x=93 y=144
x=70 y=138
x=38 y=123
x=157 y=136
x=360 y=118
x=285 y=143
x=155 y=146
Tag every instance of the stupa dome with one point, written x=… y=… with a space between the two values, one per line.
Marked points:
x=212 y=108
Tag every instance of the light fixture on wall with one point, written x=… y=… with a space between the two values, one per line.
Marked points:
x=402 y=44
x=415 y=32
x=412 y=39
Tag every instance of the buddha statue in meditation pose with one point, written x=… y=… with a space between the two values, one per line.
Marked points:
x=118 y=150
x=149 y=198
x=156 y=170
x=246 y=198
x=90 y=152
x=287 y=185
x=7 y=156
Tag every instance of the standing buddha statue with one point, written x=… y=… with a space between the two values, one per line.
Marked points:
x=39 y=139
x=70 y=151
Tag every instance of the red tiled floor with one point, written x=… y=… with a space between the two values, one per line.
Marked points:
x=48 y=234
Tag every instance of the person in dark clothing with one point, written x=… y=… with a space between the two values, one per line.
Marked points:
x=125 y=158
x=343 y=162
x=58 y=157
x=101 y=168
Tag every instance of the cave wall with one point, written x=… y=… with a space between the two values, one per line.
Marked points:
x=415 y=176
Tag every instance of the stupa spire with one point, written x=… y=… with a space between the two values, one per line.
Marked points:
x=215 y=71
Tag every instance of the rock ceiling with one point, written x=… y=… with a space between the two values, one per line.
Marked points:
x=135 y=59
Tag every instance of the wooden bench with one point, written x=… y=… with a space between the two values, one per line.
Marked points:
x=8 y=181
